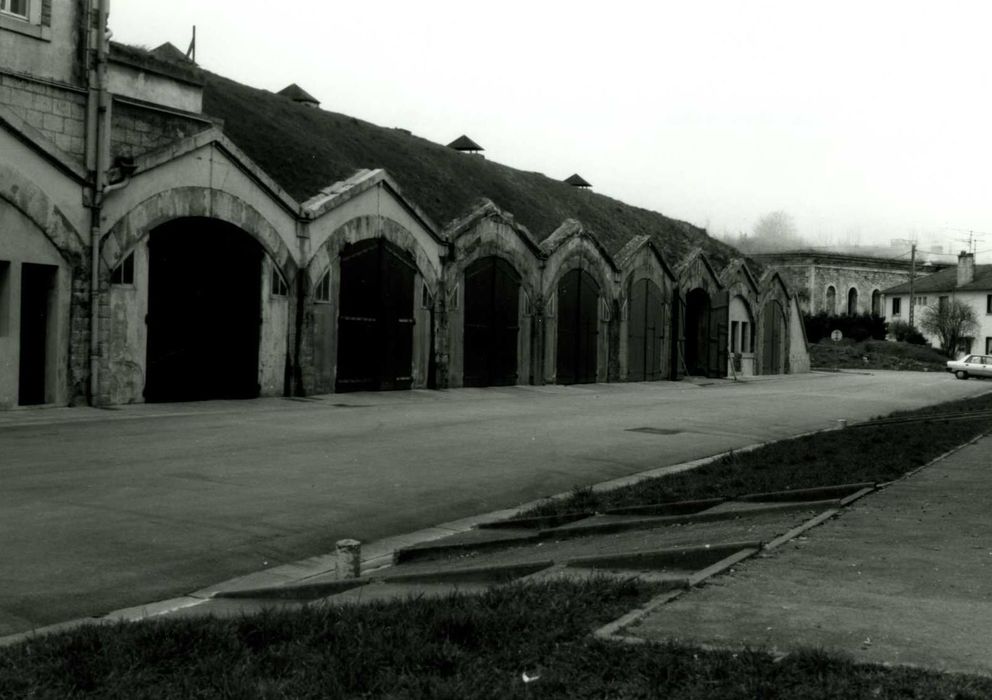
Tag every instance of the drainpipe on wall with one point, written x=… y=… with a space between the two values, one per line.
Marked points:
x=97 y=110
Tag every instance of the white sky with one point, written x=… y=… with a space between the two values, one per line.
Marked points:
x=864 y=120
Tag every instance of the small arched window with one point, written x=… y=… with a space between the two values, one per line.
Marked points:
x=852 y=302
x=876 y=303
x=831 y=300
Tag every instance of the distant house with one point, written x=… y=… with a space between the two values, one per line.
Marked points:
x=968 y=282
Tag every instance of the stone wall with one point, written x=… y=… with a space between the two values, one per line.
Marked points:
x=810 y=275
x=137 y=130
x=58 y=113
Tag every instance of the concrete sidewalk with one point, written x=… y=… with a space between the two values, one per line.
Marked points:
x=904 y=577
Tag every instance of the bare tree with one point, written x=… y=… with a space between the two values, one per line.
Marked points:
x=772 y=232
x=950 y=322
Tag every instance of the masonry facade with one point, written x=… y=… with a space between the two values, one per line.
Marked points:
x=841 y=284
x=145 y=257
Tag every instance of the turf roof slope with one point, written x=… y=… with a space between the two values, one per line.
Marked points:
x=307 y=149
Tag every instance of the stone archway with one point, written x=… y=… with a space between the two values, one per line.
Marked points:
x=204 y=312
x=184 y=245
x=491 y=322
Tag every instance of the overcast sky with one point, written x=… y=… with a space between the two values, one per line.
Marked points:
x=865 y=120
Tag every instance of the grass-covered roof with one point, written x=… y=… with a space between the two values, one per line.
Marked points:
x=305 y=150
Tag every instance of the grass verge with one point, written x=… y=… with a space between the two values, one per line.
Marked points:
x=876 y=354
x=456 y=647
x=870 y=453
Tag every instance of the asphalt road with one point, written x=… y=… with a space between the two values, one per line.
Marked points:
x=101 y=510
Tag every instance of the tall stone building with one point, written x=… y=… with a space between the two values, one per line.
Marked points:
x=167 y=234
x=842 y=283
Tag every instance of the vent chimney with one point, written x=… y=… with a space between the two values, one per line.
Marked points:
x=966 y=268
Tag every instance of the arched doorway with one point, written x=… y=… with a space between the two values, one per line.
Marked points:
x=876 y=303
x=852 y=302
x=375 y=317
x=492 y=323
x=773 y=338
x=645 y=332
x=697 y=324
x=204 y=311
x=831 y=300
x=741 y=337
x=578 y=319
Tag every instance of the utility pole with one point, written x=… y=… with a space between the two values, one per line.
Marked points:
x=912 y=279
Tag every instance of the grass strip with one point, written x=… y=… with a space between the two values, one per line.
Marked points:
x=456 y=647
x=878 y=452
x=876 y=354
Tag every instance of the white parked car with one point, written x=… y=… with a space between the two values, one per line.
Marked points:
x=971 y=366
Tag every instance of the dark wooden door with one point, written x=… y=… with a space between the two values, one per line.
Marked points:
x=37 y=289
x=492 y=323
x=773 y=339
x=697 y=329
x=578 y=328
x=375 y=318
x=645 y=332
x=719 y=322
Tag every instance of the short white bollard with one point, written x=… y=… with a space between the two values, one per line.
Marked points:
x=842 y=423
x=349 y=559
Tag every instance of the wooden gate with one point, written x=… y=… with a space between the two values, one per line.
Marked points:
x=645 y=332
x=719 y=322
x=492 y=323
x=375 y=318
x=773 y=338
x=578 y=328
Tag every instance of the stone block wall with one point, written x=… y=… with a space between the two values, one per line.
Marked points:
x=59 y=113
x=136 y=130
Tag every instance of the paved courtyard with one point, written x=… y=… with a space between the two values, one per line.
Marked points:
x=900 y=578
x=101 y=510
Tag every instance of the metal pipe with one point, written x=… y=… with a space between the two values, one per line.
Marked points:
x=97 y=110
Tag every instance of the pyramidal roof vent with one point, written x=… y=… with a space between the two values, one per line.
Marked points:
x=168 y=52
x=465 y=145
x=299 y=95
x=577 y=181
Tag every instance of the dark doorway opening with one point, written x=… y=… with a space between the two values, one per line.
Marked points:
x=773 y=339
x=492 y=323
x=645 y=332
x=697 y=325
x=204 y=312
x=375 y=321
x=37 y=314
x=578 y=328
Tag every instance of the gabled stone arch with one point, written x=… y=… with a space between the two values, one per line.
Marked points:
x=572 y=247
x=182 y=202
x=640 y=259
x=319 y=345
x=744 y=292
x=738 y=279
x=775 y=298
x=490 y=231
x=363 y=228
x=645 y=332
x=696 y=271
x=484 y=233
x=701 y=319
x=29 y=199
